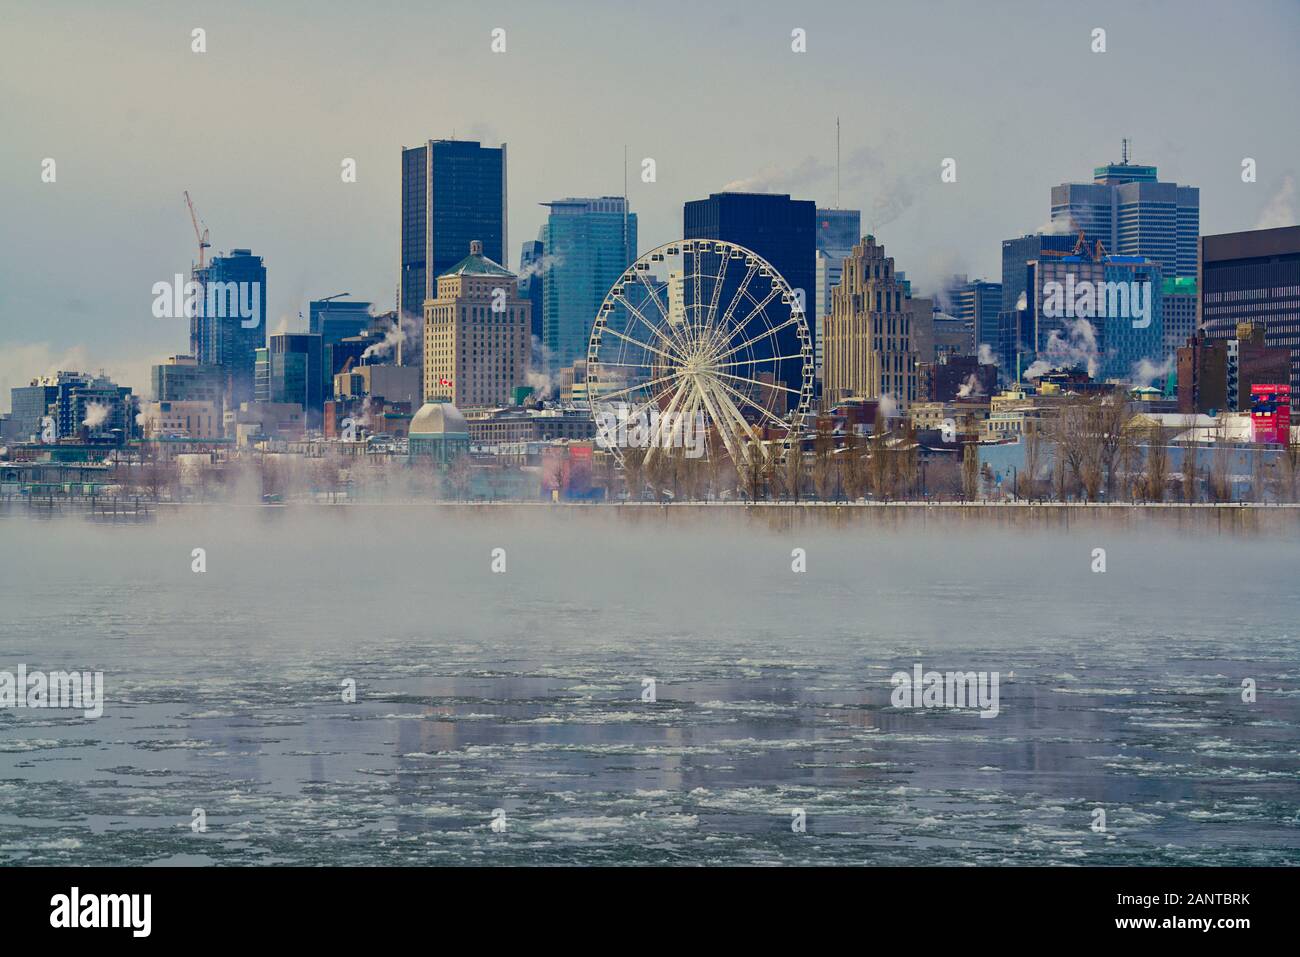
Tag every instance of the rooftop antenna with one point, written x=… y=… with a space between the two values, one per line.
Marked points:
x=837 y=162
x=1124 y=151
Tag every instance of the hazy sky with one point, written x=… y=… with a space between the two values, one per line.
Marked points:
x=257 y=126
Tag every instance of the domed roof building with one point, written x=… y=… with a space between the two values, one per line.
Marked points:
x=438 y=432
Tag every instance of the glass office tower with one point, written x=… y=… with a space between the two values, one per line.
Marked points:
x=453 y=193
x=226 y=331
x=589 y=242
x=781 y=230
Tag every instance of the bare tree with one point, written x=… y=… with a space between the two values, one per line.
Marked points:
x=907 y=458
x=943 y=477
x=1110 y=428
x=853 y=468
x=1258 y=481
x=1156 y=476
x=750 y=471
x=1073 y=445
x=773 y=476
x=795 y=471
x=694 y=478
x=1028 y=479
x=659 y=473
x=823 y=465
x=634 y=473
x=970 y=471
x=460 y=474
x=878 y=463
x=721 y=471
x=1188 y=451
x=1092 y=470
x=1289 y=482
x=1218 y=481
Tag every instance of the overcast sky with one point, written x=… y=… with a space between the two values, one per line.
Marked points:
x=257 y=126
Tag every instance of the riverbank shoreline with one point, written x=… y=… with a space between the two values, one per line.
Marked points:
x=1203 y=518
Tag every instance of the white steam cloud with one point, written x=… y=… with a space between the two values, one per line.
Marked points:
x=397 y=333
x=1280 y=209
x=1146 y=372
x=96 y=415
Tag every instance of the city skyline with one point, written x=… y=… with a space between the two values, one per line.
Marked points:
x=120 y=224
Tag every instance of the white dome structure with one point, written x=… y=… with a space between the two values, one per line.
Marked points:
x=438 y=432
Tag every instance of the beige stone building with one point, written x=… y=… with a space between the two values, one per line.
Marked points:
x=193 y=419
x=475 y=334
x=868 y=346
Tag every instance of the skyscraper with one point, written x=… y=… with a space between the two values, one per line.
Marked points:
x=334 y=320
x=290 y=370
x=475 y=334
x=838 y=230
x=1017 y=254
x=589 y=243
x=1132 y=213
x=30 y=404
x=229 y=324
x=870 y=350
x=978 y=303
x=530 y=281
x=781 y=230
x=1180 y=301
x=453 y=192
x=182 y=379
x=83 y=406
x=1254 y=276
x=1103 y=314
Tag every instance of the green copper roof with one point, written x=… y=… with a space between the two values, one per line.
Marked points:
x=476 y=264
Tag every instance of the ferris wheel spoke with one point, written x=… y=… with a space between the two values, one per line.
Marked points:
x=633 y=388
x=695 y=276
x=771 y=331
x=750 y=273
x=718 y=333
x=706 y=329
x=744 y=429
x=652 y=293
x=755 y=361
x=669 y=339
x=719 y=336
x=665 y=416
x=760 y=382
x=641 y=345
x=622 y=365
x=714 y=417
x=780 y=423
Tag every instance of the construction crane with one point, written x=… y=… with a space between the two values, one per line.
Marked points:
x=1081 y=248
x=337 y=295
x=202 y=235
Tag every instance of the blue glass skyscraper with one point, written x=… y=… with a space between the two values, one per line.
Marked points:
x=229 y=325
x=838 y=231
x=589 y=243
x=530 y=281
x=453 y=193
x=1132 y=213
x=781 y=230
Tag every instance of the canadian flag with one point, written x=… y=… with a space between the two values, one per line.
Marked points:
x=444 y=382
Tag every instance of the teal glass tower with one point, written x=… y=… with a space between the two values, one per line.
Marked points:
x=589 y=243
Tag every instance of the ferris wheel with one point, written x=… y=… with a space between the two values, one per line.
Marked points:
x=706 y=333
